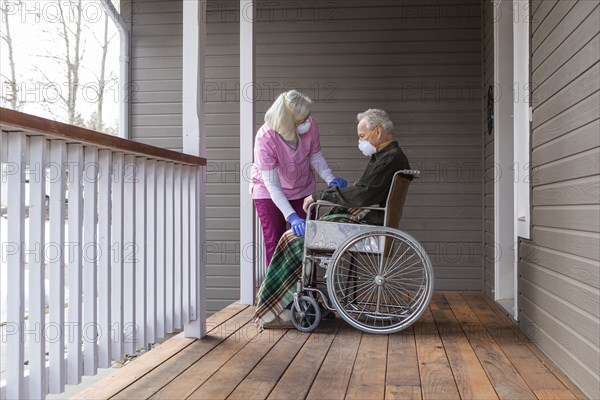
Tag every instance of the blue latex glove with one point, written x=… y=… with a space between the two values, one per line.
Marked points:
x=339 y=182
x=298 y=224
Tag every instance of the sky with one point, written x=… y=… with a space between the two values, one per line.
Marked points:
x=37 y=43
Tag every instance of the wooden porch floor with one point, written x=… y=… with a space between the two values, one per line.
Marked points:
x=463 y=347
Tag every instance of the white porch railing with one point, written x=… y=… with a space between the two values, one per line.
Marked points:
x=110 y=231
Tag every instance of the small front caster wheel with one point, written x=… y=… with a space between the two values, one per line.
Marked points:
x=308 y=316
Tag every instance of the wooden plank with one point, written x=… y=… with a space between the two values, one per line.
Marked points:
x=170 y=369
x=240 y=333
x=402 y=379
x=36 y=265
x=572 y=167
x=535 y=350
x=334 y=375
x=297 y=379
x=532 y=370
x=437 y=381
x=32 y=123
x=504 y=377
x=140 y=367
x=368 y=376
x=577 y=192
x=468 y=372
x=583 y=244
x=226 y=379
x=263 y=378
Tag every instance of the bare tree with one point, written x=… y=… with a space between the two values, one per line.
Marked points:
x=12 y=95
x=73 y=55
x=102 y=81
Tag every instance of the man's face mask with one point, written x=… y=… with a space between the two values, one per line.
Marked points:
x=365 y=146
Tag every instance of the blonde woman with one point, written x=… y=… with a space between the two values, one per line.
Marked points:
x=286 y=152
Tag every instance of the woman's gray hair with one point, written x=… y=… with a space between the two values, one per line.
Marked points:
x=375 y=117
x=288 y=108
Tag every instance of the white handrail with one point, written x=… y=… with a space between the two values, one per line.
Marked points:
x=124 y=258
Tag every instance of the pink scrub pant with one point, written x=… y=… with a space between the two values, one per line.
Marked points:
x=273 y=222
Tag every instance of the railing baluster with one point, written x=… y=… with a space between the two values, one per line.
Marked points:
x=160 y=249
x=151 y=250
x=193 y=243
x=116 y=256
x=170 y=248
x=140 y=245
x=15 y=274
x=56 y=266
x=36 y=267
x=103 y=257
x=178 y=246
x=129 y=254
x=185 y=242
x=90 y=277
x=75 y=171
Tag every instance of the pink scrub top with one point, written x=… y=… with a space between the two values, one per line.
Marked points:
x=293 y=166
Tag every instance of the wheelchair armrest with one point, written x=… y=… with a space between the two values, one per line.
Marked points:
x=322 y=203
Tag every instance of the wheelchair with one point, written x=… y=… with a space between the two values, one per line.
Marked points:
x=378 y=279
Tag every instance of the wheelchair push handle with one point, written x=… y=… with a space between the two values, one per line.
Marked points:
x=415 y=173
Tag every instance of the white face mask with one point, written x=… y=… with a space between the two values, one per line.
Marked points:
x=366 y=148
x=303 y=127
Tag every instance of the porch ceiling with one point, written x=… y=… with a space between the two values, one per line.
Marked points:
x=463 y=347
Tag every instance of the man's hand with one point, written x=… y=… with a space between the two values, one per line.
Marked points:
x=307 y=202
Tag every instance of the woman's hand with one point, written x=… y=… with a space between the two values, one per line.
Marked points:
x=298 y=224
x=339 y=182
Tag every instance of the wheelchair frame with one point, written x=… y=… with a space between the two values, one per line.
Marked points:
x=378 y=278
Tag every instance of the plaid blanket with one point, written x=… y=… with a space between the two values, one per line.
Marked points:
x=278 y=288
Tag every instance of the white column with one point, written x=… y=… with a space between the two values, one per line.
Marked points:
x=15 y=384
x=90 y=276
x=170 y=248
x=151 y=249
x=194 y=142
x=116 y=256
x=129 y=255
x=247 y=264
x=36 y=266
x=140 y=254
x=104 y=258
x=74 y=259
x=160 y=249
x=503 y=155
x=56 y=265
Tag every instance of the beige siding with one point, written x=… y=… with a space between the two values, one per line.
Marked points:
x=559 y=268
x=156 y=54
x=488 y=151
x=421 y=62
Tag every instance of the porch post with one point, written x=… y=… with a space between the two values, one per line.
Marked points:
x=504 y=256
x=247 y=262
x=194 y=134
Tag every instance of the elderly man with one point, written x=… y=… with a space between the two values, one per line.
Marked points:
x=375 y=140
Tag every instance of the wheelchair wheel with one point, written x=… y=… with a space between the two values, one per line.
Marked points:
x=308 y=317
x=380 y=281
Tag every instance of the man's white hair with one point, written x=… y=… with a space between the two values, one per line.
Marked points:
x=374 y=117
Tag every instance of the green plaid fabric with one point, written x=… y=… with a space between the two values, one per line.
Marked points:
x=278 y=288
